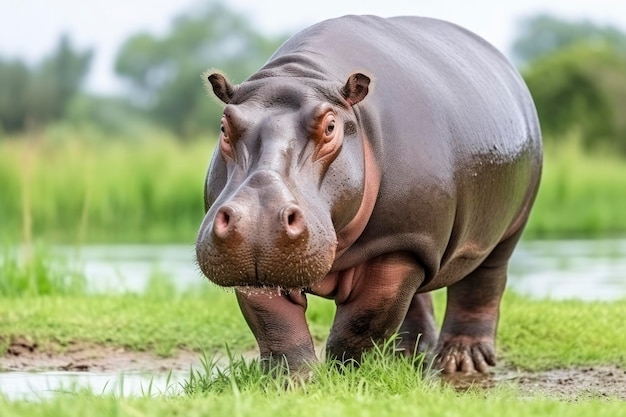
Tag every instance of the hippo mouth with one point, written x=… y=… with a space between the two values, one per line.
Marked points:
x=286 y=265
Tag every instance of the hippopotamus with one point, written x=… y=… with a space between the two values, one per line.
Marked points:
x=371 y=161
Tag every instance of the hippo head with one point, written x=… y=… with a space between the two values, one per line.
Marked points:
x=286 y=183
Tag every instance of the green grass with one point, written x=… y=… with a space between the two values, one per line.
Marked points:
x=29 y=271
x=581 y=195
x=533 y=334
x=381 y=387
x=319 y=401
x=78 y=187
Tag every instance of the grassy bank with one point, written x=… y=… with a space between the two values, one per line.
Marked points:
x=533 y=335
x=79 y=187
x=45 y=301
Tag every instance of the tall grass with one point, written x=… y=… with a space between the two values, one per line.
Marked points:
x=581 y=194
x=28 y=272
x=85 y=189
x=78 y=187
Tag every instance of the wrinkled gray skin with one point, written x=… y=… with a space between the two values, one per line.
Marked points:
x=372 y=161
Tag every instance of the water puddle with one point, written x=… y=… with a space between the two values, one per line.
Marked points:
x=41 y=385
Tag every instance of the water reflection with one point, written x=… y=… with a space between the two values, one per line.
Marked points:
x=39 y=385
x=581 y=269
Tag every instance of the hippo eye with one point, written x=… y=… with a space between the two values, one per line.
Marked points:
x=329 y=125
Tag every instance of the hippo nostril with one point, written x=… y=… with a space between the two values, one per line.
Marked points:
x=293 y=221
x=223 y=222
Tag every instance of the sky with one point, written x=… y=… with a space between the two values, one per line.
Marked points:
x=29 y=29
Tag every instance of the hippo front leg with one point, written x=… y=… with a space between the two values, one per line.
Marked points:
x=382 y=290
x=278 y=322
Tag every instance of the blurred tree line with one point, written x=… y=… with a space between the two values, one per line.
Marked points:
x=41 y=94
x=576 y=72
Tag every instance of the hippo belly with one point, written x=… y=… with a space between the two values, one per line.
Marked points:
x=371 y=161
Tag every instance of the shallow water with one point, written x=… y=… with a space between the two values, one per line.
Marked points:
x=582 y=269
x=40 y=385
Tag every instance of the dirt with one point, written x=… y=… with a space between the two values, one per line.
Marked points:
x=25 y=356
x=569 y=384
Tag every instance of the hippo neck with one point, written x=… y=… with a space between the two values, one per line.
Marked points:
x=371 y=184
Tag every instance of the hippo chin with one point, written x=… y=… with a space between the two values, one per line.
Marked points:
x=372 y=161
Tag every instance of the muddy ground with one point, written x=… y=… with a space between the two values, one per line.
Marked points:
x=567 y=384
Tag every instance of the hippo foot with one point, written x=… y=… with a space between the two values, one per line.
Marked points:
x=298 y=365
x=465 y=356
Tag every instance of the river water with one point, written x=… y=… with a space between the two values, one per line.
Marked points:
x=581 y=269
x=574 y=269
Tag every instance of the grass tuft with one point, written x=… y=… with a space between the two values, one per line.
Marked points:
x=28 y=272
x=380 y=372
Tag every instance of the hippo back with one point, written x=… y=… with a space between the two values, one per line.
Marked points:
x=453 y=129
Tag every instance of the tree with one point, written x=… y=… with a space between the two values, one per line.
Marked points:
x=584 y=88
x=164 y=72
x=541 y=35
x=14 y=79
x=41 y=94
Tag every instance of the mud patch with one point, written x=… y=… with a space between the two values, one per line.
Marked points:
x=24 y=355
x=569 y=384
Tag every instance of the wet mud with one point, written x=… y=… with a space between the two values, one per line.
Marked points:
x=570 y=384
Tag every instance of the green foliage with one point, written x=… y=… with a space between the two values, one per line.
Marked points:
x=542 y=35
x=165 y=71
x=581 y=89
x=36 y=96
x=75 y=186
x=320 y=401
x=580 y=194
x=28 y=272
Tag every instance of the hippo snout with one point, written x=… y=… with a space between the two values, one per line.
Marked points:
x=290 y=222
x=250 y=241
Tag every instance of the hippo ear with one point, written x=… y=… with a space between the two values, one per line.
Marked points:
x=356 y=88
x=222 y=88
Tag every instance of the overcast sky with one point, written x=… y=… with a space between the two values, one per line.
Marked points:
x=30 y=28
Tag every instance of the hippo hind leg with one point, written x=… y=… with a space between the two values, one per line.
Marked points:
x=467 y=340
x=418 y=332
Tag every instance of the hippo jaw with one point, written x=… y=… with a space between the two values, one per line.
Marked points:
x=244 y=242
